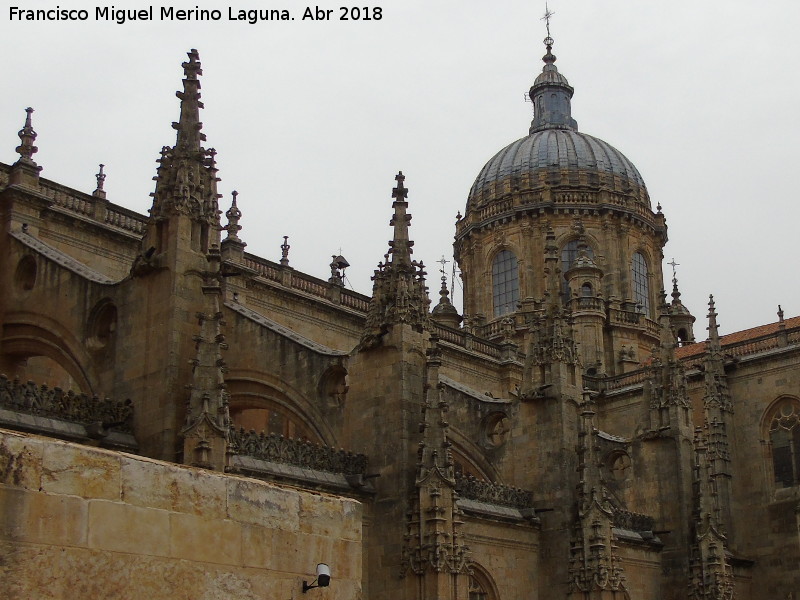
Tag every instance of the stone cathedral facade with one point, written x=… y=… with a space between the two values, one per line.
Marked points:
x=180 y=418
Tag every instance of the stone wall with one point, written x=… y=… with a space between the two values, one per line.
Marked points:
x=78 y=521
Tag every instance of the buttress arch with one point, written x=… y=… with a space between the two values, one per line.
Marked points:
x=29 y=335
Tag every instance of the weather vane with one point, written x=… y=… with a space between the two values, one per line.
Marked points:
x=546 y=18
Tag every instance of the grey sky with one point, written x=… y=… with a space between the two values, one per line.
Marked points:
x=311 y=121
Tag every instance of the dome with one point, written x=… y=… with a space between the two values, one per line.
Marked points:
x=557 y=158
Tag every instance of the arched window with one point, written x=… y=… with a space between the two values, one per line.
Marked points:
x=568 y=255
x=481 y=586
x=641 y=284
x=586 y=290
x=505 y=283
x=476 y=591
x=784 y=435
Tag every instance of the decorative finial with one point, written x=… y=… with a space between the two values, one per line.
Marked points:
x=442 y=261
x=27 y=136
x=285 y=251
x=546 y=18
x=400 y=193
x=549 y=57
x=673 y=264
x=458 y=216
x=658 y=207
x=101 y=177
x=780 y=314
x=234 y=214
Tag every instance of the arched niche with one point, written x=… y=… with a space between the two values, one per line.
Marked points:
x=259 y=405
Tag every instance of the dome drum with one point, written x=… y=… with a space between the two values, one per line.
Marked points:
x=546 y=202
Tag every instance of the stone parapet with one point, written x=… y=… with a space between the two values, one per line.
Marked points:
x=98 y=416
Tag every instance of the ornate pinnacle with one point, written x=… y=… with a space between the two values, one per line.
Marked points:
x=101 y=177
x=27 y=136
x=234 y=214
x=189 y=127
x=713 y=331
x=400 y=245
x=285 y=251
x=186 y=179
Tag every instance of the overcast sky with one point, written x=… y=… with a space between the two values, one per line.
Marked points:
x=312 y=120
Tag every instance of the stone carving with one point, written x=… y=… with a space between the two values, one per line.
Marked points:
x=625 y=519
x=434 y=547
x=69 y=406
x=301 y=453
x=595 y=565
x=472 y=488
x=710 y=573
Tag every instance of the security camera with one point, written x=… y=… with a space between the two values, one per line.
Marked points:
x=323 y=575
x=323 y=578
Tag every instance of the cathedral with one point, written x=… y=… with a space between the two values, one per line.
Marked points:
x=180 y=418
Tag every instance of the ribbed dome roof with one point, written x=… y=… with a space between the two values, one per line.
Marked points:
x=591 y=162
x=555 y=155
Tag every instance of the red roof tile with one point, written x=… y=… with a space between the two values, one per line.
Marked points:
x=738 y=337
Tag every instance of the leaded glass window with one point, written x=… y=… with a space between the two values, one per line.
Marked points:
x=784 y=435
x=505 y=283
x=641 y=283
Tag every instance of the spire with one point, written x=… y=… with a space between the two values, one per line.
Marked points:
x=551 y=92
x=99 y=192
x=713 y=332
x=189 y=127
x=186 y=179
x=399 y=294
x=400 y=244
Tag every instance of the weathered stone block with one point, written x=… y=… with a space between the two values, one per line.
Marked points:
x=124 y=528
x=20 y=461
x=158 y=485
x=212 y=541
x=41 y=518
x=71 y=470
x=259 y=503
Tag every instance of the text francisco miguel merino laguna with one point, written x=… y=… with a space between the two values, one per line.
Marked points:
x=171 y=13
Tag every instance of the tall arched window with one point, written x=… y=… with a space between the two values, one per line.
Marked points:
x=784 y=435
x=505 y=283
x=641 y=284
x=568 y=255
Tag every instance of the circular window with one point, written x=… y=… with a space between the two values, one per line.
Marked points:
x=25 y=276
x=497 y=429
x=620 y=466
